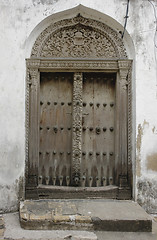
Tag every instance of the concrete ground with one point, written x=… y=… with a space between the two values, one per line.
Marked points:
x=13 y=231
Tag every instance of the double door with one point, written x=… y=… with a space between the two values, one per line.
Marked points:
x=96 y=108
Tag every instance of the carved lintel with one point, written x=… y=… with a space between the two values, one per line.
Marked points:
x=124 y=64
x=79 y=64
x=77 y=128
x=33 y=63
x=46 y=64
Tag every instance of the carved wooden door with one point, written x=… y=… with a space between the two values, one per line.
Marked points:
x=98 y=121
x=55 y=128
x=77 y=134
x=97 y=165
x=78 y=137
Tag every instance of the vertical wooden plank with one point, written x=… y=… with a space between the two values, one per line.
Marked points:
x=104 y=93
x=88 y=128
x=98 y=95
x=77 y=128
x=99 y=91
x=55 y=124
x=117 y=131
x=65 y=123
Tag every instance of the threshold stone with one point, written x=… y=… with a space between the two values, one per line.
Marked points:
x=84 y=214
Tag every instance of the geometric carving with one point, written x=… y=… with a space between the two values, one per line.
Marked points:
x=74 y=63
x=79 y=37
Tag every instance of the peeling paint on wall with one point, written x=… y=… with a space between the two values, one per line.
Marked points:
x=152 y=162
x=154 y=130
x=141 y=129
x=147 y=195
x=8 y=198
x=46 y=2
x=138 y=144
x=10 y=195
x=146 y=187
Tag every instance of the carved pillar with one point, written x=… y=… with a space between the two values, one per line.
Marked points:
x=32 y=134
x=123 y=120
x=77 y=128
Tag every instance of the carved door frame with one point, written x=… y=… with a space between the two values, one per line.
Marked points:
x=122 y=68
x=80 y=45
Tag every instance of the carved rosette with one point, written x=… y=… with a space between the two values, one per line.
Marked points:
x=79 y=37
x=77 y=128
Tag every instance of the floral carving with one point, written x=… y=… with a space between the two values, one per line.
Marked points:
x=77 y=128
x=79 y=37
x=78 y=41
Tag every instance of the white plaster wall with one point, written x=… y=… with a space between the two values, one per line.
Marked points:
x=19 y=27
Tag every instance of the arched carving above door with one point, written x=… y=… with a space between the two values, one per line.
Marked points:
x=79 y=37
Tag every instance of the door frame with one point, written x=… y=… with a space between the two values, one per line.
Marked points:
x=123 y=116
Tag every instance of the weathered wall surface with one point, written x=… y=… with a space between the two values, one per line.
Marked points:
x=18 y=28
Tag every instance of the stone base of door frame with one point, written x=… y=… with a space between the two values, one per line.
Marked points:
x=83 y=214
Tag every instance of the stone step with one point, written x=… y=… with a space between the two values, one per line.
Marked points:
x=77 y=214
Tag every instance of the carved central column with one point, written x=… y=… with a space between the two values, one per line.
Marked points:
x=77 y=128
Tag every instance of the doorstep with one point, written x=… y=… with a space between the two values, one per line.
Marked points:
x=84 y=214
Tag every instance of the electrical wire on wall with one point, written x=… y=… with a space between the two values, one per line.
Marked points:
x=126 y=18
x=155 y=40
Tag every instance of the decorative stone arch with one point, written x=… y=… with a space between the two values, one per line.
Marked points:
x=79 y=45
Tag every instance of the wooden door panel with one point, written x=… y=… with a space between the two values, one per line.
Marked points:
x=98 y=129
x=98 y=160
x=55 y=127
